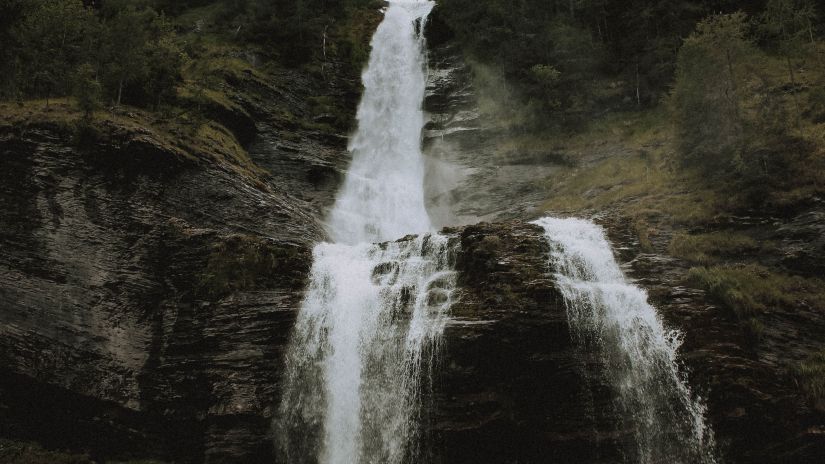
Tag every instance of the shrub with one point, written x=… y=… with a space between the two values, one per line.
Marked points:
x=707 y=97
x=810 y=375
x=751 y=290
x=708 y=248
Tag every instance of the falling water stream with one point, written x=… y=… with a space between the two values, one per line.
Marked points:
x=639 y=354
x=373 y=312
x=377 y=304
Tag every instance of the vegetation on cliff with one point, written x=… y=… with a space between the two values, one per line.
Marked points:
x=698 y=123
x=179 y=61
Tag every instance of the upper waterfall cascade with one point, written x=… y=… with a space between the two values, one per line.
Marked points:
x=383 y=194
x=639 y=353
x=373 y=313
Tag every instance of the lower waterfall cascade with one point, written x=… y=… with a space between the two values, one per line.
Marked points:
x=639 y=354
x=363 y=340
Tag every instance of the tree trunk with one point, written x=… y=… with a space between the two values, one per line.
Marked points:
x=119 y=91
x=638 y=92
x=793 y=91
x=732 y=86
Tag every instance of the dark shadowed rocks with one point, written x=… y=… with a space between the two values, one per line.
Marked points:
x=143 y=296
x=511 y=385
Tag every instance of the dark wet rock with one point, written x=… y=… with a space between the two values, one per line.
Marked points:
x=803 y=242
x=758 y=411
x=510 y=384
x=145 y=295
x=148 y=287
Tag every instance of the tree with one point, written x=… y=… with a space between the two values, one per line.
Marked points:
x=789 y=24
x=87 y=89
x=708 y=95
x=127 y=43
x=165 y=60
x=52 y=36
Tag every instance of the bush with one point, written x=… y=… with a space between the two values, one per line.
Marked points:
x=87 y=89
x=709 y=248
x=750 y=290
x=707 y=98
x=810 y=376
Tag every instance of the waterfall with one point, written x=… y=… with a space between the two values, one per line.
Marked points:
x=383 y=194
x=639 y=354
x=373 y=314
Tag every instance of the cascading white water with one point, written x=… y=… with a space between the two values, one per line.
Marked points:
x=373 y=314
x=639 y=353
x=365 y=332
x=383 y=195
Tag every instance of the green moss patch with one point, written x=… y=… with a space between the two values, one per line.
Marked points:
x=751 y=290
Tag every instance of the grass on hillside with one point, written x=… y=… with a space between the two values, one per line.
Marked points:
x=186 y=136
x=810 y=374
x=635 y=172
x=712 y=247
x=749 y=290
x=627 y=163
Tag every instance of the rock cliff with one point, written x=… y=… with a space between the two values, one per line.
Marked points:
x=148 y=280
x=148 y=289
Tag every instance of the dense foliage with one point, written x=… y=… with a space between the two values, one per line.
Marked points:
x=733 y=112
x=586 y=42
x=728 y=71
x=62 y=47
x=133 y=51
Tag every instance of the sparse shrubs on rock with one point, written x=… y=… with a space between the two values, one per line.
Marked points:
x=810 y=375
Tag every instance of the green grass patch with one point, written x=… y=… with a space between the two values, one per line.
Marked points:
x=751 y=290
x=215 y=138
x=810 y=375
x=711 y=247
x=625 y=161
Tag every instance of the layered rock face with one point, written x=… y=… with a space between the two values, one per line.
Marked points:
x=148 y=285
x=145 y=297
x=470 y=178
x=511 y=385
x=759 y=413
x=148 y=297
x=147 y=294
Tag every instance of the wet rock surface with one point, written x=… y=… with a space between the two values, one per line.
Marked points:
x=469 y=177
x=510 y=384
x=143 y=295
x=147 y=290
x=757 y=410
